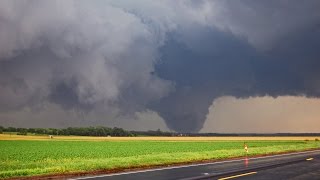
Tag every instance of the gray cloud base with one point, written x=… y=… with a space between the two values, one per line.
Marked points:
x=173 y=57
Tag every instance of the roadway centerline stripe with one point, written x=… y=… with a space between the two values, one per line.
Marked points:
x=309 y=159
x=239 y=175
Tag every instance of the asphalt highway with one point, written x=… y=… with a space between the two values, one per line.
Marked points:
x=301 y=165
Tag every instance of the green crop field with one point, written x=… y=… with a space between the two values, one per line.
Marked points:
x=28 y=158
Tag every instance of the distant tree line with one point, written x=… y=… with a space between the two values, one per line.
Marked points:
x=107 y=131
x=84 y=131
x=77 y=131
x=154 y=133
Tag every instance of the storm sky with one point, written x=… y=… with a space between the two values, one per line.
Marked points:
x=182 y=65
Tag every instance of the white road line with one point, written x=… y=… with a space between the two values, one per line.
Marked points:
x=192 y=165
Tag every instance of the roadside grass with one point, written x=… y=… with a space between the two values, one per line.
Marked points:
x=29 y=158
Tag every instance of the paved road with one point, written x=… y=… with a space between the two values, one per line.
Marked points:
x=303 y=165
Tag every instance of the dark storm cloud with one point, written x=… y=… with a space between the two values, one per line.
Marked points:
x=218 y=65
x=173 y=57
x=234 y=67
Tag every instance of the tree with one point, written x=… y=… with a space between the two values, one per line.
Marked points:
x=32 y=130
x=11 y=129
x=118 y=132
x=22 y=131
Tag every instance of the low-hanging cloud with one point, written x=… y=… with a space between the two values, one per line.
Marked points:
x=171 y=57
x=76 y=54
